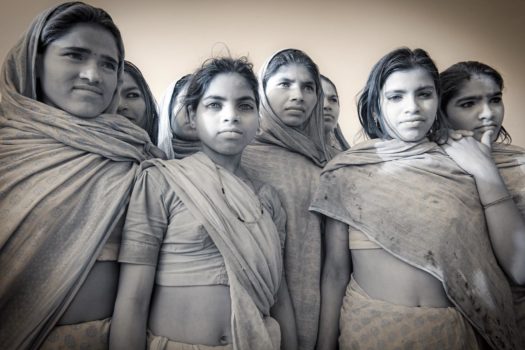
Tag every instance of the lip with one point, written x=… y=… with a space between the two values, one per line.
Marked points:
x=295 y=109
x=486 y=127
x=328 y=116
x=88 y=88
x=231 y=130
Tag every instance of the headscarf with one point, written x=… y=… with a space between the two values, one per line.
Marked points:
x=309 y=142
x=173 y=147
x=65 y=182
x=152 y=114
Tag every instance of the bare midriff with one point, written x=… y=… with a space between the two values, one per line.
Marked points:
x=194 y=314
x=95 y=300
x=385 y=277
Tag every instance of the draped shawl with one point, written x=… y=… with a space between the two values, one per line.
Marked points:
x=336 y=142
x=511 y=163
x=173 y=147
x=290 y=160
x=417 y=204
x=251 y=250
x=309 y=141
x=64 y=182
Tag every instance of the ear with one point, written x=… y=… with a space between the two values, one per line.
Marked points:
x=192 y=116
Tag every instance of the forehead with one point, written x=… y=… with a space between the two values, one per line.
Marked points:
x=479 y=85
x=229 y=85
x=328 y=88
x=293 y=71
x=91 y=37
x=129 y=80
x=408 y=79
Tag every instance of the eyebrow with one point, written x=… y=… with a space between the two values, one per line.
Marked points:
x=477 y=97
x=221 y=98
x=418 y=89
x=87 y=51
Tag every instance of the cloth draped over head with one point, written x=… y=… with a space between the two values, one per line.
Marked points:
x=65 y=181
x=152 y=114
x=251 y=249
x=417 y=204
x=309 y=142
x=173 y=147
x=511 y=163
x=336 y=142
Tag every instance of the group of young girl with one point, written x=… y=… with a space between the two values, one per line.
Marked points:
x=236 y=216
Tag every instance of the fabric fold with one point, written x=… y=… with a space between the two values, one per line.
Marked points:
x=245 y=235
x=377 y=186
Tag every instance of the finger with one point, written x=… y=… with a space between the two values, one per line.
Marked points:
x=486 y=138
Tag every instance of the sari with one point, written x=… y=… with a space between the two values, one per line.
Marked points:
x=173 y=147
x=251 y=249
x=336 y=142
x=374 y=185
x=65 y=182
x=290 y=160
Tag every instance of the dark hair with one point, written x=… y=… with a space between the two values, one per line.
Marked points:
x=292 y=56
x=70 y=14
x=179 y=86
x=201 y=79
x=152 y=120
x=368 y=106
x=325 y=78
x=454 y=77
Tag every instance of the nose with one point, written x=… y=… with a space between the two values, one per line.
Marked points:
x=486 y=112
x=90 y=72
x=326 y=105
x=411 y=104
x=296 y=94
x=122 y=108
x=229 y=114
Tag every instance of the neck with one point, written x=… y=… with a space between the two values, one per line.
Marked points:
x=228 y=162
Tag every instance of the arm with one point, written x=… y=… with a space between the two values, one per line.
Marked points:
x=505 y=223
x=130 y=317
x=283 y=313
x=334 y=280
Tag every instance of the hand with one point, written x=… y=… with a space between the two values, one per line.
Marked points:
x=471 y=155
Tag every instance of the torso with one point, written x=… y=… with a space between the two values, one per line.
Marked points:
x=95 y=300
x=385 y=277
x=202 y=314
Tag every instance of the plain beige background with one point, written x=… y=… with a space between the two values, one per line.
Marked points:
x=167 y=39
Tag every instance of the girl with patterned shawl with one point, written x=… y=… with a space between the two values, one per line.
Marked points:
x=472 y=102
x=202 y=245
x=137 y=102
x=409 y=223
x=67 y=165
x=335 y=140
x=177 y=137
x=288 y=153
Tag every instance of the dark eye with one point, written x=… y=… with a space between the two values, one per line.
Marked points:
x=425 y=94
x=467 y=104
x=496 y=100
x=284 y=84
x=395 y=98
x=334 y=100
x=214 y=105
x=109 y=65
x=309 y=88
x=133 y=95
x=246 y=107
x=74 y=56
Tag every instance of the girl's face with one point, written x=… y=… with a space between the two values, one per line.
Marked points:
x=330 y=106
x=132 y=104
x=78 y=71
x=409 y=104
x=180 y=123
x=292 y=94
x=226 y=117
x=477 y=107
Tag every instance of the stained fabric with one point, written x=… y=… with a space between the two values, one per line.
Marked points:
x=511 y=163
x=415 y=202
x=250 y=245
x=65 y=181
x=88 y=335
